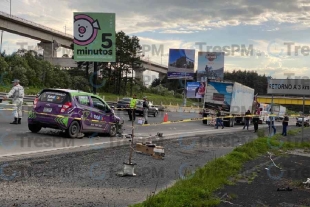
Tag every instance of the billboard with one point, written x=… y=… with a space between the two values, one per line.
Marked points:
x=289 y=86
x=181 y=64
x=211 y=65
x=195 y=89
x=94 y=37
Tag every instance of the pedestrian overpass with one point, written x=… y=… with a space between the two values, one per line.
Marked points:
x=282 y=100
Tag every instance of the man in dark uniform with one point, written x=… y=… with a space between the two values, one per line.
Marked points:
x=285 y=124
x=247 y=119
x=218 y=119
x=255 y=121
x=145 y=110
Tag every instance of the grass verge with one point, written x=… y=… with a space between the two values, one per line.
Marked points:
x=156 y=99
x=198 y=189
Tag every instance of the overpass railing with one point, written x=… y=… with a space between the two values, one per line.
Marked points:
x=34 y=24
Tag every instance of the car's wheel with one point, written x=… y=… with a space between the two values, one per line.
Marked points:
x=34 y=128
x=156 y=113
x=74 y=129
x=113 y=130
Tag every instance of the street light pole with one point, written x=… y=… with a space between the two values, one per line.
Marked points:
x=10 y=7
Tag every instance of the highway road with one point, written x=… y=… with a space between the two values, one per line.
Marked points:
x=18 y=140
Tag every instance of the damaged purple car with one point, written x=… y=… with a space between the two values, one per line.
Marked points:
x=74 y=112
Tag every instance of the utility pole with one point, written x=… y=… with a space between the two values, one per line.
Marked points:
x=65 y=29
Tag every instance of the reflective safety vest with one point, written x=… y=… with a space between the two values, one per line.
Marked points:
x=133 y=103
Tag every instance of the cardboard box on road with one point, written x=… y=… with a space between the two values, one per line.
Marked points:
x=151 y=149
x=146 y=149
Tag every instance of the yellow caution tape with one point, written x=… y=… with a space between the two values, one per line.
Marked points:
x=160 y=123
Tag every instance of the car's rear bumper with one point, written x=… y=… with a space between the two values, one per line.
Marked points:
x=49 y=121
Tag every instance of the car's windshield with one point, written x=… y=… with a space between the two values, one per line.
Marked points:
x=54 y=97
x=126 y=99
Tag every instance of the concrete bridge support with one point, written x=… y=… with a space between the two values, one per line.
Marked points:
x=161 y=76
x=139 y=74
x=50 y=51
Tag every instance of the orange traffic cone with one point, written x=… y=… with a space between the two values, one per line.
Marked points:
x=165 y=117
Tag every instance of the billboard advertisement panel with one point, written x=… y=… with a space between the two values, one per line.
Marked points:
x=289 y=86
x=195 y=89
x=181 y=64
x=94 y=37
x=211 y=65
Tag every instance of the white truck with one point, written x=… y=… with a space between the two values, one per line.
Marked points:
x=265 y=111
x=233 y=98
x=279 y=110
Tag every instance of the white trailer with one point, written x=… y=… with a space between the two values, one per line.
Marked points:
x=279 y=111
x=233 y=98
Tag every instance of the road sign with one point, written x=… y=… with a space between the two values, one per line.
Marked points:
x=94 y=37
x=289 y=86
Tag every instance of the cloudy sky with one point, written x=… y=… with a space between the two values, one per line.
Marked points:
x=271 y=28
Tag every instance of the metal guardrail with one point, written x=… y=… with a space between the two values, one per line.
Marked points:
x=30 y=98
x=34 y=24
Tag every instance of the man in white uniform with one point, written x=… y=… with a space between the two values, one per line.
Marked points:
x=17 y=94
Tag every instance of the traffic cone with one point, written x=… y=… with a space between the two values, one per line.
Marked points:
x=165 y=117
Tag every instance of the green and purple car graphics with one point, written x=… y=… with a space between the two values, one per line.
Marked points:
x=73 y=111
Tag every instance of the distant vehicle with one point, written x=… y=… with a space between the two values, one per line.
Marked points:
x=152 y=110
x=279 y=118
x=278 y=110
x=233 y=98
x=123 y=103
x=299 y=121
x=72 y=111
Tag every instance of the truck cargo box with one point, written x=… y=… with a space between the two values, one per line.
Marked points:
x=232 y=97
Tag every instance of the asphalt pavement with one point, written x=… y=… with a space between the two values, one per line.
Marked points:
x=88 y=178
x=18 y=140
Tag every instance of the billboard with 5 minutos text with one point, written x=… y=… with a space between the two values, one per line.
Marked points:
x=94 y=37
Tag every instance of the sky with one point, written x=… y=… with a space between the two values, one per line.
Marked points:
x=269 y=37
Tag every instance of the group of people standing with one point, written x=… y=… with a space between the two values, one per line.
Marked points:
x=255 y=118
x=132 y=110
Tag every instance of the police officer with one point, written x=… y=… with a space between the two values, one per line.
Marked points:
x=255 y=121
x=17 y=94
x=132 y=110
x=218 y=119
x=145 y=109
x=285 y=125
x=247 y=119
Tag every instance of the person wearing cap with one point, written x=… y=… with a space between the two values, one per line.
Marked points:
x=17 y=94
x=132 y=110
x=145 y=109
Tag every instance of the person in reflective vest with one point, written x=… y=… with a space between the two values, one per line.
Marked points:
x=132 y=110
x=17 y=95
